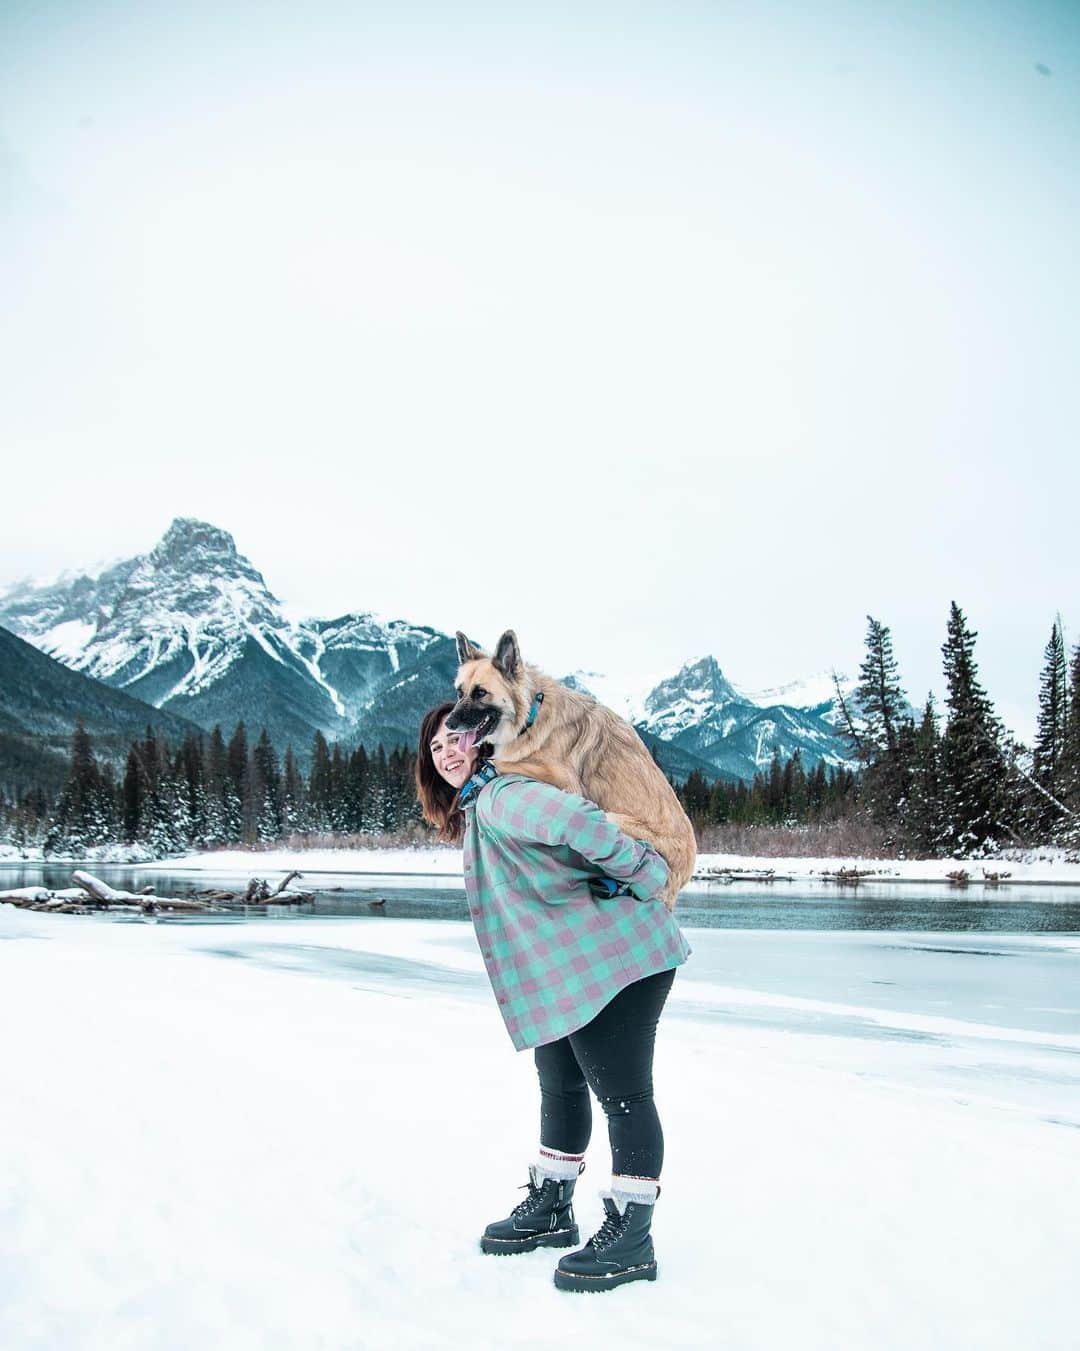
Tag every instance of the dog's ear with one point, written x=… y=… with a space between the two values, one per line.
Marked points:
x=507 y=658
x=466 y=650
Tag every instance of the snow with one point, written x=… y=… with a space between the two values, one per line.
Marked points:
x=289 y=1134
x=312 y=666
x=1047 y=865
x=809 y=692
x=1043 y=865
x=66 y=641
x=98 y=853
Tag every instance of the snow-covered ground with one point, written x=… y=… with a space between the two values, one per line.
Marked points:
x=1037 y=865
x=1045 y=865
x=289 y=1134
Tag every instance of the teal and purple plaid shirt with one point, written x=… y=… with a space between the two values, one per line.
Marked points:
x=555 y=953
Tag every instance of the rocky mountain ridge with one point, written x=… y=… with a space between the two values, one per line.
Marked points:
x=191 y=627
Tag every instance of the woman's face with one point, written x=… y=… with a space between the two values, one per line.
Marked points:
x=451 y=763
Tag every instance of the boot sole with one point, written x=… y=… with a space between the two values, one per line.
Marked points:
x=580 y=1284
x=557 y=1238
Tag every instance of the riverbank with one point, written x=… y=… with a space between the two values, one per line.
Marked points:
x=1035 y=867
x=1032 y=867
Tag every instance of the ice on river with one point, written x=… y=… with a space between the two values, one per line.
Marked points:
x=290 y=1134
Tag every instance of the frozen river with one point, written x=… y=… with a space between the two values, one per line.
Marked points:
x=992 y=1018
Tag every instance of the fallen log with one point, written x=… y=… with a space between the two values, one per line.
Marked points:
x=91 y=893
x=741 y=875
x=847 y=877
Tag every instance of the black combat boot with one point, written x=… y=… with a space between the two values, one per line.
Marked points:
x=621 y=1250
x=545 y=1219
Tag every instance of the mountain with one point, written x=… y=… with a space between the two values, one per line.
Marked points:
x=700 y=714
x=40 y=701
x=192 y=628
x=816 y=694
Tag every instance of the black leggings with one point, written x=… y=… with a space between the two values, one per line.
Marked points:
x=613 y=1056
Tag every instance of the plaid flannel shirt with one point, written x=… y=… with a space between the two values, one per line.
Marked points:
x=555 y=953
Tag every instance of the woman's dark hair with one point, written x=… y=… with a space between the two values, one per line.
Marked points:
x=438 y=799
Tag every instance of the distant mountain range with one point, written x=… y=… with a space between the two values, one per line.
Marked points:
x=192 y=629
x=40 y=701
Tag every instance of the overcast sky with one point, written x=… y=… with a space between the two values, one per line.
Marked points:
x=648 y=329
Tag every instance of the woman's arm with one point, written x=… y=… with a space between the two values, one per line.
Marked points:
x=535 y=811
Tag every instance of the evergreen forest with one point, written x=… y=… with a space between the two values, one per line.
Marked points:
x=933 y=782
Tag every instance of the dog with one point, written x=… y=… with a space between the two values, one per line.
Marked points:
x=539 y=728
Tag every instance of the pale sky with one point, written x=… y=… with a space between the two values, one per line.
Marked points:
x=647 y=329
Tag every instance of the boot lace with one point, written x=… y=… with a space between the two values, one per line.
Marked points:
x=609 y=1231
x=531 y=1201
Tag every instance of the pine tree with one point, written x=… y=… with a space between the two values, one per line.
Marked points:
x=338 y=806
x=356 y=789
x=1050 y=736
x=84 y=810
x=191 y=799
x=292 y=795
x=1069 y=778
x=376 y=816
x=719 y=808
x=796 y=793
x=237 y=785
x=215 y=782
x=884 y=745
x=774 y=791
x=973 y=768
x=133 y=794
x=880 y=698
x=320 y=785
x=695 y=796
x=924 y=823
x=266 y=790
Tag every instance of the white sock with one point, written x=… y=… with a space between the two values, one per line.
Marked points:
x=643 y=1191
x=557 y=1164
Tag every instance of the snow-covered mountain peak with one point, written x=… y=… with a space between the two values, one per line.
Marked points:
x=699 y=685
x=187 y=538
x=192 y=626
x=813 y=692
x=622 y=695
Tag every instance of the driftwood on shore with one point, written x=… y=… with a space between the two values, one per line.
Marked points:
x=91 y=894
x=257 y=892
x=848 y=877
x=714 y=874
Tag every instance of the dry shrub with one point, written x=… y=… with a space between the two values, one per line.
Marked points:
x=409 y=837
x=847 y=838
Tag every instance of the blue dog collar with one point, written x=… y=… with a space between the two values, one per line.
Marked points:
x=537 y=701
x=484 y=772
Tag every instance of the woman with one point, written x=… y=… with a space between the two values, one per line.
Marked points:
x=581 y=953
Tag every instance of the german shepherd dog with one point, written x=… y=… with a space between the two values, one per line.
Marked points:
x=575 y=744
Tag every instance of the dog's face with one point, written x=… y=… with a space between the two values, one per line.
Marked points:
x=490 y=703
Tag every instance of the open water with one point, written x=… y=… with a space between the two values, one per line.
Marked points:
x=799 y=905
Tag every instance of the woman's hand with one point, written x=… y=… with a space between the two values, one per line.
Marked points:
x=604 y=887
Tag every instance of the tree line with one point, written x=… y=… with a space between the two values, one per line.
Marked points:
x=784 y=794
x=211 y=792
x=957 y=785
x=964 y=785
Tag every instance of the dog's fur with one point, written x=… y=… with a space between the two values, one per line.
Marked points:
x=575 y=744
